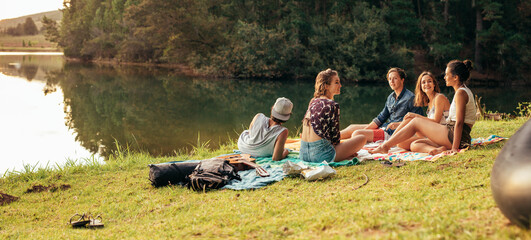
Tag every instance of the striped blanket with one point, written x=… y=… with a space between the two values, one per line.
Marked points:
x=397 y=153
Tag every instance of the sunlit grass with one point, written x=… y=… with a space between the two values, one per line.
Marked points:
x=33 y=42
x=449 y=199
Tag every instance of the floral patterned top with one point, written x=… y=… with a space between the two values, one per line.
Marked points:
x=323 y=115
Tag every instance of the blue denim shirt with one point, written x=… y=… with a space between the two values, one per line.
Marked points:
x=396 y=108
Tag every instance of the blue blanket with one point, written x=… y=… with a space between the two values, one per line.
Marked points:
x=294 y=157
x=250 y=180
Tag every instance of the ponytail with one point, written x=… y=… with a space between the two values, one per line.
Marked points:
x=461 y=69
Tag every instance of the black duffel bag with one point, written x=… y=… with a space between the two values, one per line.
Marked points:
x=164 y=174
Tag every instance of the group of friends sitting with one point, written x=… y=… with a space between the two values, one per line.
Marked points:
x=446 y=127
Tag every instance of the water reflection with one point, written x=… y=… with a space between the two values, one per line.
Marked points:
x=30 y=67
x=161 y=112
x=156 y=111
x=32 y=127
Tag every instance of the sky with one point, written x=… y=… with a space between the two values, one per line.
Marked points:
x=19 y=8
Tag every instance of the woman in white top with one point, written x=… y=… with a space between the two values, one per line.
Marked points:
x=266 y=136
x=427 y=93
x=455 y=134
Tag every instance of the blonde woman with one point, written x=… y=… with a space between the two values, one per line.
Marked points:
x=320 y=126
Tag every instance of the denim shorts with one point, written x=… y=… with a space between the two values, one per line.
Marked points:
x=318 y=151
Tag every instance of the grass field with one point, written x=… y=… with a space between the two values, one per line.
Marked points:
x=447 y=199
x=26 y=43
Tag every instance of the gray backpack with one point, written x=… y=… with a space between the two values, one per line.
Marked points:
x=211 y=173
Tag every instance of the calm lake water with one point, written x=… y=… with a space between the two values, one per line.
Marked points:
x=53 y=111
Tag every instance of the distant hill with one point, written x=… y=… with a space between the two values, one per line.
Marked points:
x=12 y=22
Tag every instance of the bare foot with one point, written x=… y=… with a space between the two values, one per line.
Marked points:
x=437 y=150
x=380 y=149
x=349 y=158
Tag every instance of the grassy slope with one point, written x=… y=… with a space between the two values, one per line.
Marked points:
x=39 y=43
x=14 y=43
x=37 y=18
x=450 y=198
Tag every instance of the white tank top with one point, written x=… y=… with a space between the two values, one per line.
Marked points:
x=470 y=108
x=431 y=113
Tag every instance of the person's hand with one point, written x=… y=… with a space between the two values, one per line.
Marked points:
x=393 y=125
x=410 y=115
x=454 y=150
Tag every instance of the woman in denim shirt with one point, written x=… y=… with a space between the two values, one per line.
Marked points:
x=320 y=126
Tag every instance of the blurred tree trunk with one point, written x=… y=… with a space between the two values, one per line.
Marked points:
x=418 y=8
x=445 y=13
x=479 y=27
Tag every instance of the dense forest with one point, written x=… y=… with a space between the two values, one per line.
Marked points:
x=297 y=39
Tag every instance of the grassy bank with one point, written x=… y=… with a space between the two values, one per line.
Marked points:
x=30 y=43
x=450 y=198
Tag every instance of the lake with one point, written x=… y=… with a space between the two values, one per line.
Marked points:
x=54 y=111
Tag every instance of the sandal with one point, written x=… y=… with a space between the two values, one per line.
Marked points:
x=81 y=221
x=95 y=222
x=397 y=164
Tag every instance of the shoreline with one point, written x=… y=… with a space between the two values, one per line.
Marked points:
x=182 y=68
x=31 y=50
x=476 y=78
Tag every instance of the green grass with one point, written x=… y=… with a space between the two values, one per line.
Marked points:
x=14 y=43
x=447 y=199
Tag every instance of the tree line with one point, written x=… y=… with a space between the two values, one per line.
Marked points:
x=297 y=39
x=26 y=28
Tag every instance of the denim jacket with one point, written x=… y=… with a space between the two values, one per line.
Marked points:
x=395 y=109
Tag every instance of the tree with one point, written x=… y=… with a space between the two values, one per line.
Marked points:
x=295 y=38
x=15 y=31
x=51 y=33
x=404 y=26
x=29 y=27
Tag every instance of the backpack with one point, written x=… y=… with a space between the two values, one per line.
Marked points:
x=211 y=173
x=170 y=173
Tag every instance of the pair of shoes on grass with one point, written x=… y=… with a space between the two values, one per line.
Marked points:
x=86 y=221
x=397 y=164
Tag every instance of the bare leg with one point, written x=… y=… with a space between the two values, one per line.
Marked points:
x=407 y=144
x=403 y=124
x=427 y=146
x=437 y=133
x=437 y=150
x=347 y=132
x=367 y=133
x=349 y=148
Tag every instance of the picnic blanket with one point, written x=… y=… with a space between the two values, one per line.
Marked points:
x=397 y=153
x=252 y=181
